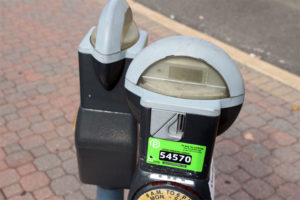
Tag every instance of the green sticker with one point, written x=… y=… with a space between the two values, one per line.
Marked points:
x=175 y=154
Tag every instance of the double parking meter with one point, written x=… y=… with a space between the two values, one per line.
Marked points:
x=154 y=130
x=183 y=91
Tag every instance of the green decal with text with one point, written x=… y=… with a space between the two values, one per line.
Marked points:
x=175 y=154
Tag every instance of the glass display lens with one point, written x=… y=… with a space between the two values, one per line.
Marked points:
x=184 y=77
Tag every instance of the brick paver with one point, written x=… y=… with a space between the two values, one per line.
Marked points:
x=258 y=157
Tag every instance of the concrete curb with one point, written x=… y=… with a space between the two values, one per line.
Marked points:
x=244 y=58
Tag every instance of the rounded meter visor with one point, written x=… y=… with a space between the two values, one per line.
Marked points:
x=130 y=33
x=184 y=77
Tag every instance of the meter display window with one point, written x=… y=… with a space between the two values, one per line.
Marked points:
x=180 y=73
x=184 y=77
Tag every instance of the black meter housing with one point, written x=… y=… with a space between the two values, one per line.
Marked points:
x=194 y=133
x=105 y=130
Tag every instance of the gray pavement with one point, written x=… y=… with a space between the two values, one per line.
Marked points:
x=269 y=29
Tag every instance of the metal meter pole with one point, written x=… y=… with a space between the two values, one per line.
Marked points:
x=106 y=194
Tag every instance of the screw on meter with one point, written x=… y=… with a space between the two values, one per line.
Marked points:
x=163 y=194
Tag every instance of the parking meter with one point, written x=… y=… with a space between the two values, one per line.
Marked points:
x=183 y=91
x=105 y=132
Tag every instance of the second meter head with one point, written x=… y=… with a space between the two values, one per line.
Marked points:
x=184 y=91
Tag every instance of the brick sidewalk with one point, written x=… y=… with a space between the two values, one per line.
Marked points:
x=258 y=158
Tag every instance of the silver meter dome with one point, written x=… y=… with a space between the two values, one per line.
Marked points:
x=187 y=75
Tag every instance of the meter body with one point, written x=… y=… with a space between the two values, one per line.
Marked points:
x=105 y=131
x=184 y=92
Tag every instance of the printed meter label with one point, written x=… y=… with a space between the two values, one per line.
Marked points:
x=175 y=154
x=163 y=194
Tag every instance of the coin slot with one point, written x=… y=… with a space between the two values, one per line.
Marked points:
x=180 y=123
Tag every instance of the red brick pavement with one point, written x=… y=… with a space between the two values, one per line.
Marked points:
x=258 y=158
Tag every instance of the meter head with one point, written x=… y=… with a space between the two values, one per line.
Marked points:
x=104 y=118
x=184 y=91
x=186 y=75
